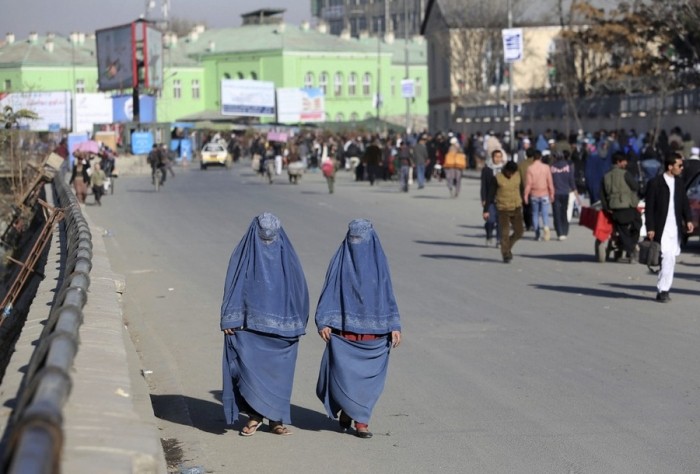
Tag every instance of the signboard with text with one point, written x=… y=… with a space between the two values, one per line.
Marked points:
x=53 y=108
x=296 y=105
x=512 y=44
x=247 y=98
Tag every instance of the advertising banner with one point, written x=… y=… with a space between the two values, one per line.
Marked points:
x=123 y=108
x=408 y=88
x=300 y=105
x=153 y=59
x=115 y=50
x=512 y=44
x=91 y=109
x=247 y=98
x=141 y=143
x=53 y=108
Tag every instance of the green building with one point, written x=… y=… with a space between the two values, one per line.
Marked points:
x=351 y=71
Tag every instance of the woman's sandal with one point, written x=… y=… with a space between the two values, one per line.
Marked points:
x=280 y=429
x=251 y=428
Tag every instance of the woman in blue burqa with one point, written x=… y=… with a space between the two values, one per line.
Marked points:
x=263 y=315
x=358 y=318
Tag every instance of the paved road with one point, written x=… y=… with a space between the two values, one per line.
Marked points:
x=553 y=363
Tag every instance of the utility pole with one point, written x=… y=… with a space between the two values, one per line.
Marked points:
x=405 y=33
x=510 y=85
x=379 y=69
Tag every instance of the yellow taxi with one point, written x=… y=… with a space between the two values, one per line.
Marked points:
x=214 y=154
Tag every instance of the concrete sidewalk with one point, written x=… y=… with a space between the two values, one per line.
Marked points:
x=108 y=420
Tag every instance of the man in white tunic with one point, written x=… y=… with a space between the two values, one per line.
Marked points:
x=667 y=215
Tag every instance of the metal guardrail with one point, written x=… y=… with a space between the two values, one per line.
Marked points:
x=608 y=106
x=36 y=436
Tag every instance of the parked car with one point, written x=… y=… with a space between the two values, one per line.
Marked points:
x=214 y=154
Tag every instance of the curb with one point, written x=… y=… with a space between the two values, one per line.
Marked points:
x=109 y=420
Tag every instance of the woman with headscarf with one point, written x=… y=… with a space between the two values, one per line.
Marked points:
x=263 y=314
x=358 y=318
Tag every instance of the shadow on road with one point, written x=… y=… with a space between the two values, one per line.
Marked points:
x=311 y=420
x=582 y=290
x=205 y=415
x=458 y=257
x=651 y=288
x=208 y=415
x=564 y=257
x=446 y=244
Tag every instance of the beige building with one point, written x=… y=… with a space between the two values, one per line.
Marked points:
x=465 y=52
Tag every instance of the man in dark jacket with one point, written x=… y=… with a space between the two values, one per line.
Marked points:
x=618 y=195
x=667 y=215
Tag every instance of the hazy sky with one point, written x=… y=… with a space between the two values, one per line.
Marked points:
x=64 y=16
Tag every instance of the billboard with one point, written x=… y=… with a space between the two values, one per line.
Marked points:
x=121 y=50
x=153 y=59
x=53 y=108
x=91 y=109
x=115 y=58
x=300 y=105
x=247 y=98
x=123 y=108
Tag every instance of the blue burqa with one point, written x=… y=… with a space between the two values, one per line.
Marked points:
x=357 y=297
x=266 y=302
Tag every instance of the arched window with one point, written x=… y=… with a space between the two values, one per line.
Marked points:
x=352 y=84
x=418 y=87
x=241 y=76
x=368 y=115
x=323 y=82
x=354 y=117
x=309 y=80
x=227 y=75
x=253 y=76
x=339 y=117
x=337 y=84
x=366 y=84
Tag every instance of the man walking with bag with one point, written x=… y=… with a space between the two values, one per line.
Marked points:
x=667 y=214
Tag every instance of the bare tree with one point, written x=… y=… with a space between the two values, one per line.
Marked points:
x=474 y=50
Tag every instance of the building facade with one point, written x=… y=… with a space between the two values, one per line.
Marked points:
x=352 y=71
x=447 y=27
x=376 y=17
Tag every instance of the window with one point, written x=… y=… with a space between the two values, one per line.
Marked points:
x=339 y=117
x=418 y=87
x=253 y=76
x=227 y=75
x=195 y=89
x=241 y=76
x=392 y=83
x=366 y=84
x=352 y=84
x=177 y=89
x=8 y=84
x=80 y=86
x=309 y=80
x=337 y=84
x=354 y=117
x=368 y=115
x=323 y=82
